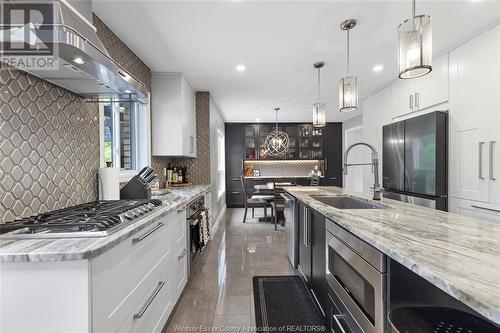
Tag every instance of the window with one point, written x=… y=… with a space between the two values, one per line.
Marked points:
x=221 y=169
x=124 y=135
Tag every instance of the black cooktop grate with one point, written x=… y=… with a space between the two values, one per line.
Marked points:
x=91 y=216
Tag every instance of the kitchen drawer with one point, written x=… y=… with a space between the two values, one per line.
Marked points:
x=145 y=309
x=178 y=231
x=179 y=272
x=123 y=267
x=474 y=209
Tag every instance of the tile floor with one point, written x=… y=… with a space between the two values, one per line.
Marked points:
x=219 y=293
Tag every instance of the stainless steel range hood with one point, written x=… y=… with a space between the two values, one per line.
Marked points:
x=84 y=65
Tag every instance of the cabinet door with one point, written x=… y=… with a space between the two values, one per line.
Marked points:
x=403 y=98
x=318 y=269
x=432 y=89
x=234 y=138
x=333 y=169
x=470 y=102
x=494 y=115
x=304 y=239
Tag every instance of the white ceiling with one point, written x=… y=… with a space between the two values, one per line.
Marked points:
x=278 y=42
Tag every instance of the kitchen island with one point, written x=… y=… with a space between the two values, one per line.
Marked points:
x=459 y=255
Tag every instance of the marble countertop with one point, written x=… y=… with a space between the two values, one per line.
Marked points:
x=459 y=255
x=86 y=248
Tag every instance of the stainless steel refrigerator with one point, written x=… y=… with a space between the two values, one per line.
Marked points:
x=415 y=163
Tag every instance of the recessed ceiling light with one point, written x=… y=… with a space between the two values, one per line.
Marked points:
x=378 y=68
x=78 y=60
x=241 y=68
x=257 y=120
x=128 y=91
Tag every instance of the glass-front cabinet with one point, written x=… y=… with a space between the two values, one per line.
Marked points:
x=306 y=142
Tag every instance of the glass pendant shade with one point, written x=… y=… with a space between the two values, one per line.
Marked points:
x=348 y=94
x=415 y=47
x=319 y=114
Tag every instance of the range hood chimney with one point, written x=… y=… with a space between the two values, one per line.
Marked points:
x=83 y=64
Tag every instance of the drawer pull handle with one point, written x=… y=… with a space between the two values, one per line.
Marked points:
x=183 y=254
x=150 y=300
x=489 y=209
x=138 y=239
x=337 y=321
x=234 y=192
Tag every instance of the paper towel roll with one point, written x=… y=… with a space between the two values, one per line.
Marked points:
x=109 y=183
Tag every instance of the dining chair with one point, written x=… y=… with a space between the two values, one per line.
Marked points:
x=254 y=202
x=314 y=180
x=279 y=204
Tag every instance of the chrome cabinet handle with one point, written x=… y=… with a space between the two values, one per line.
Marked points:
x=235 y=192
x=480 y=160
x=489 y=209
x=304 y=236
x=150 y=300
x=417 y=100
x=138 y=239
x=337 y=321
x=183 y=254
x=411 y=102
x=491 y=160
x=326 y=163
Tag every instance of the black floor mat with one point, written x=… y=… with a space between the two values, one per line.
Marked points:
x=283 y=304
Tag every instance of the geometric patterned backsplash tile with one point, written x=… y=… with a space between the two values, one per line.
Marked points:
x=49 y=146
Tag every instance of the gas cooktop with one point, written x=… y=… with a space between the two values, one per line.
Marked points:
x=93 y=219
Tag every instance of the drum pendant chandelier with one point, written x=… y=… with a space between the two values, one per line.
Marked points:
x=348 y=85
x=277 y=142
x=319 y=109
x=415 y=46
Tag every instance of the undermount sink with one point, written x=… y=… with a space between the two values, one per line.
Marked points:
x=348 y=202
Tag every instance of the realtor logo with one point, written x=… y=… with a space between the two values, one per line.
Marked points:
x=24 y=26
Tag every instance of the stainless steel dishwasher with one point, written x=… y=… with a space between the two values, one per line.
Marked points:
x=291 y=229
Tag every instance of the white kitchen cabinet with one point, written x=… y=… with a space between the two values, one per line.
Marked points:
x=131 y=287
x=474 y=121
x=173 y=116
x=377 y=111
x=423 y=92
x=478 y=210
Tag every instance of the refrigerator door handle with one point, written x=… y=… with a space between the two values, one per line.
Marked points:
x=480 y=160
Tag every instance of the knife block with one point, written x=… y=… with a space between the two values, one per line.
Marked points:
x=135 y=189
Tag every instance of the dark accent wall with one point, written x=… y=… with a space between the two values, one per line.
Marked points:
x=49 y=138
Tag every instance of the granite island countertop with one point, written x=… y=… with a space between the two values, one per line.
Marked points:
x=62 y=249
x=458 y=254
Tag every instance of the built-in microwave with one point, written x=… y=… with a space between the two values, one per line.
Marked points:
x=356 y=272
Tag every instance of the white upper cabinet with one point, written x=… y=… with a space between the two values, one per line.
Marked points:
x=173 y=116
x=423 y=92
x=474 y=118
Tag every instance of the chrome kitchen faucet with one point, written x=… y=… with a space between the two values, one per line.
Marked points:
x=376 y=186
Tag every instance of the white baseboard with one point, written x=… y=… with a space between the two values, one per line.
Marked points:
x=217 y=222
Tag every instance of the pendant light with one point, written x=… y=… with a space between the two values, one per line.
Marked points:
x=348 y=87
x=415 y=46
x=319 y=109
x=277 y=142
